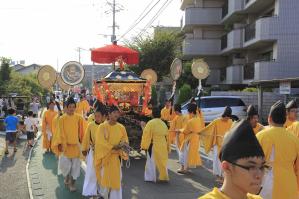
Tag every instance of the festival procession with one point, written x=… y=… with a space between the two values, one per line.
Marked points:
x=156 y=116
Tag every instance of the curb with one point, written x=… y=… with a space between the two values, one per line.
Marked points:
x=27 y=168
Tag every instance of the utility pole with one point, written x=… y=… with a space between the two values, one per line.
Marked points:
x=113 y=37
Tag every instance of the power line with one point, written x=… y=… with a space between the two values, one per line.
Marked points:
x=132 y=25
x=140 y=19
x=160 y=11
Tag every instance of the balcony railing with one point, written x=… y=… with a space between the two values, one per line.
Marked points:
x=249 y=32
x=248 y=71
x=225 y=9
x=223 y=42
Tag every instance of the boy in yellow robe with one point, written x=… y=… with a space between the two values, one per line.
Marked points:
x=177 y=123
x=68 y=142
x=109 y=141
x=213 y=137
x=155 y=142
x=82 y=107
x=243 y=165
x=281 y=150
x=291 y=108
x=167 y=114
x=253 y=118
x=90 y=187
x=47 y=128
x=189 y=155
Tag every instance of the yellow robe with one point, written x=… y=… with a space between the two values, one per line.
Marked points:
x=286 y=147
x=258 y=128
x=165 y=114
x=214 y=133
x=56 y=133
x=177 y=123
x=190 y=131
x=47 y=122
x=217 y=194
x=89 y=136
x=294 y=128
x=70 y=135
x=288 y=123
x=107 y=136
x=156 y=133
x=82 y=107
x=90 y=118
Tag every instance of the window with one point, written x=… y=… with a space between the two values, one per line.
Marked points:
x=222 y=74
x=220 y=102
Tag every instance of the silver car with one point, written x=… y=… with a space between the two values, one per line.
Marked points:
x=213 y=107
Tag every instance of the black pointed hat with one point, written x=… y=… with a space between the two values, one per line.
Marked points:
x=278 y=113
x=240 y=142
x=227 y=112
x=251 y=111
x=291 y=104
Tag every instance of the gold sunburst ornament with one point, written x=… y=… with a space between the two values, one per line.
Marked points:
x=46 y=76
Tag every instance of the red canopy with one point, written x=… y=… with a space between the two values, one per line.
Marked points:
x=111 y=53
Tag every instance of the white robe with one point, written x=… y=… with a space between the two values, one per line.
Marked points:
x=90 y=186
x=150 y=169
x=184 y=155
x=216 y=162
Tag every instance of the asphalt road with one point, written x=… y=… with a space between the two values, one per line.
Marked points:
x=13 y=180
x=46 y=184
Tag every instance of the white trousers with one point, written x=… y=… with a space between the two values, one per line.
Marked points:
x=177 y=145
x=150 y=169
x=184 y=155
x=90 y=186
x=216 y=162
x=111 y=193
x=69 y=166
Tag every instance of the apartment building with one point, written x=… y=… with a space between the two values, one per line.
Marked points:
x=243 y=41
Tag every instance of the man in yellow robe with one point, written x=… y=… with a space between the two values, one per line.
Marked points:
x=90 y=187
x=176 y=125
x=189 y=155
x=109 y=141
x=47 y=128
x=253 y=118
x=68 y=143
x=83 y=108
x=155 y=142
x=167 y=113
x=243 y=165
x=213 y=137
x=281 y=150
x=291 y=108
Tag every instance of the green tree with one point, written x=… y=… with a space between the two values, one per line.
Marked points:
x=24 y=85
x=156 y=52
x=185 y=93
x=5 y=70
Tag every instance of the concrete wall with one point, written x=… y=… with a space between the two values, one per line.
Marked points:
x=269 y=98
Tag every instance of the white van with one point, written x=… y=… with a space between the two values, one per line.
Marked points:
x=213 y=106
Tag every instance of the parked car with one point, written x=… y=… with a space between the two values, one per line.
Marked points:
x=213 y=106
